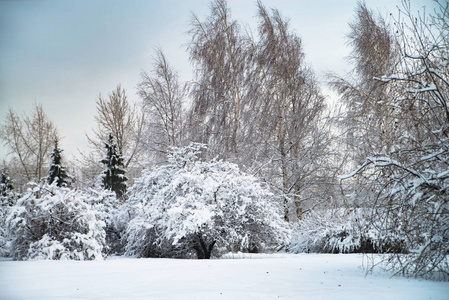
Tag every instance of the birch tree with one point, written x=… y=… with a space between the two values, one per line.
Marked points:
x=163 y=96
x=410 y=207
x=217 y=51
x=30 y=140
x=369 y=125
x=288 y=108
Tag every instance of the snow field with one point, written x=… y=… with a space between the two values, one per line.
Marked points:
x=278 y=276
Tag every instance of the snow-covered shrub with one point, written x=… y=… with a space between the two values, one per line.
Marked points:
x=5 y=241
x=329 y=231
x=410 y=212
x=7 y=199
x=51 y=222
x=343 y=231
x=189 y=206
x=110 y=210
x=416 y=209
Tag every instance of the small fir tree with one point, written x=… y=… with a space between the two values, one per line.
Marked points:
x=5 y=183
x=57 y=172
x=114 y=175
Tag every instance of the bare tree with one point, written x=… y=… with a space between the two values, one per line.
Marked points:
x=217 y=50
x=369 y=125
x=257 y=103
x=30 y=140
x=163 y=96
x=288 y=108
x=116 y=116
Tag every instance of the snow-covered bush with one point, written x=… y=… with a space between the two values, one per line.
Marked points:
x=416 y=209
x=7 y=199
x=410 y=211
x=51 y=222
x=5 y=241
x=330 y=231
x=343 y=231
x=188 y=206
x=110 y=210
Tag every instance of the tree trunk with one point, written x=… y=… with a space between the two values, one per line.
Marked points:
x=202 y=248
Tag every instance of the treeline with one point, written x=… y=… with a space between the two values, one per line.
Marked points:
x=254 y=102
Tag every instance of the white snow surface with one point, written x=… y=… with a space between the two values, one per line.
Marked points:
x=275 y=276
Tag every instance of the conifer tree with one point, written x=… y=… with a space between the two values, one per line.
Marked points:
x=57 y=172
x=114 y=175
x=5 y=183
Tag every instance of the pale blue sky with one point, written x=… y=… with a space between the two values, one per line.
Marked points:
x=63 y=53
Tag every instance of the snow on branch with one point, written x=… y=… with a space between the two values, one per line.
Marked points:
x=429 y=88
x=355 y=172
x=380 y=162
x=432 y=155
x=389 y=78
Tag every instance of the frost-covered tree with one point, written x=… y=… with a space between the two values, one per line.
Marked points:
x=51 y=222
x=113 y=177
x=189 y=206
x=57 y=172
x=408 y=180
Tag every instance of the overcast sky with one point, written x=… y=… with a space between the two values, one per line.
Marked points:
x=63 y=53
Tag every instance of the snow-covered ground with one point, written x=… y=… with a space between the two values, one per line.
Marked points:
x=279 y=276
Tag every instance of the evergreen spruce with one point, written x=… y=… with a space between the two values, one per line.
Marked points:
x=57 y=172
x=114 y=175
x=5 y=183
